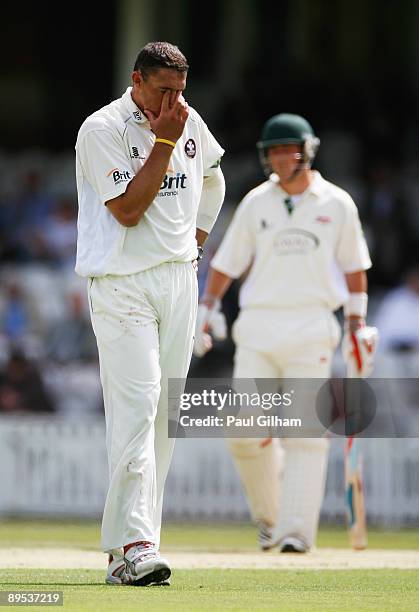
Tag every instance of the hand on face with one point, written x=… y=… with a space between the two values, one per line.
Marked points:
x=169 y=123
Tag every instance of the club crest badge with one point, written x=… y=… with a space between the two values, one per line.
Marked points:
x=190 y=148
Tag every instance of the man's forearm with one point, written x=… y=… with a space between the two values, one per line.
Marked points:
x=216 y=286
x=356 y=308
x=201 y=236
x=129 y=207
x=357 y=282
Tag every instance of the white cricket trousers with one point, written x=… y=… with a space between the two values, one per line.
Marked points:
x=284 y=480
x=144 y=325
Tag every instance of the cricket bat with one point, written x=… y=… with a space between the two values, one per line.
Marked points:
x=354 y=495
x=354 y=487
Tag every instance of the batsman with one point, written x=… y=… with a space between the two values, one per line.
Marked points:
x=299 y=240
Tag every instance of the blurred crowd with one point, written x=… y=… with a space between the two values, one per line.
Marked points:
x=48 y=355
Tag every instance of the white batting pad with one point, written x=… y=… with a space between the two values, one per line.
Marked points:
x=303 y=484
x=258 y=463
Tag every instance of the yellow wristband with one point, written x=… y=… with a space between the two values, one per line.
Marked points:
x=165 y=141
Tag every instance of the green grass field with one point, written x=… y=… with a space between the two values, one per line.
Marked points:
x=208 y=537
x=231 y=590
x=311 y=590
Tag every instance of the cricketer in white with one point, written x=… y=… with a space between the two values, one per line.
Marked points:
x=149 y=187
x=300 y=240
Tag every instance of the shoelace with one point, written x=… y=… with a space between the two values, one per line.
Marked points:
x=142 y=552
x=124 y=575
x=265 y=535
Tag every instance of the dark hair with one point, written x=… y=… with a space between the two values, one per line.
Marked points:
x=157 y=55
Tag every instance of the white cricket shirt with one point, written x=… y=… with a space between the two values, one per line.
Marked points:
x=112 y=145
x=296 y=259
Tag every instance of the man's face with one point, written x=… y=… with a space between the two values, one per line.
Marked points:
x=148 y=92
x=284 y=160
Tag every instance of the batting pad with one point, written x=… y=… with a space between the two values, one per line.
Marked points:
x=303 y=485
x=258 y=463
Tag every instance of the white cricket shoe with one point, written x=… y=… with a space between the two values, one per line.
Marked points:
x=292 y=544
x=117 y=573
x=265 y=536
x=145 y=565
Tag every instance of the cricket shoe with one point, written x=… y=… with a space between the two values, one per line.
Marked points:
x=265 y=536
x=292 y=544
x=145 y=565
x=117 y=571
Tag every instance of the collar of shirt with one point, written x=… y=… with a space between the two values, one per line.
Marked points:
x=136 y=114
x=315 y=187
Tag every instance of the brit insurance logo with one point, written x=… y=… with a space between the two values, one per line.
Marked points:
x=120 y=176
x=295 y=242
x=172 y=183
x=190 y=148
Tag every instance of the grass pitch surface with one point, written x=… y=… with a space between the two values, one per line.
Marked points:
x=84 y=591
x=214 y=589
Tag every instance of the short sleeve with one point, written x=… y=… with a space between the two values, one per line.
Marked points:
x=352 y=250
x=212 y=151
x=237 y=248
x=104 y=164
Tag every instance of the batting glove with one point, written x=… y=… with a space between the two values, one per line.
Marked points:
x=358 y=349
x=209 y=319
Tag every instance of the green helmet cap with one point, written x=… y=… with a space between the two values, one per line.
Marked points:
x=285 y=129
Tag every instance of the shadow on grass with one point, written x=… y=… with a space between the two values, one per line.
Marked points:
x=20 y=586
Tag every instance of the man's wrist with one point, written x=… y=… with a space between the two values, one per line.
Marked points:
x=353 y=323
x=209 y=300
x=166 y=141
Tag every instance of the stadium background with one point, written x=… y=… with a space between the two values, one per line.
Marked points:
x=350 y=68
